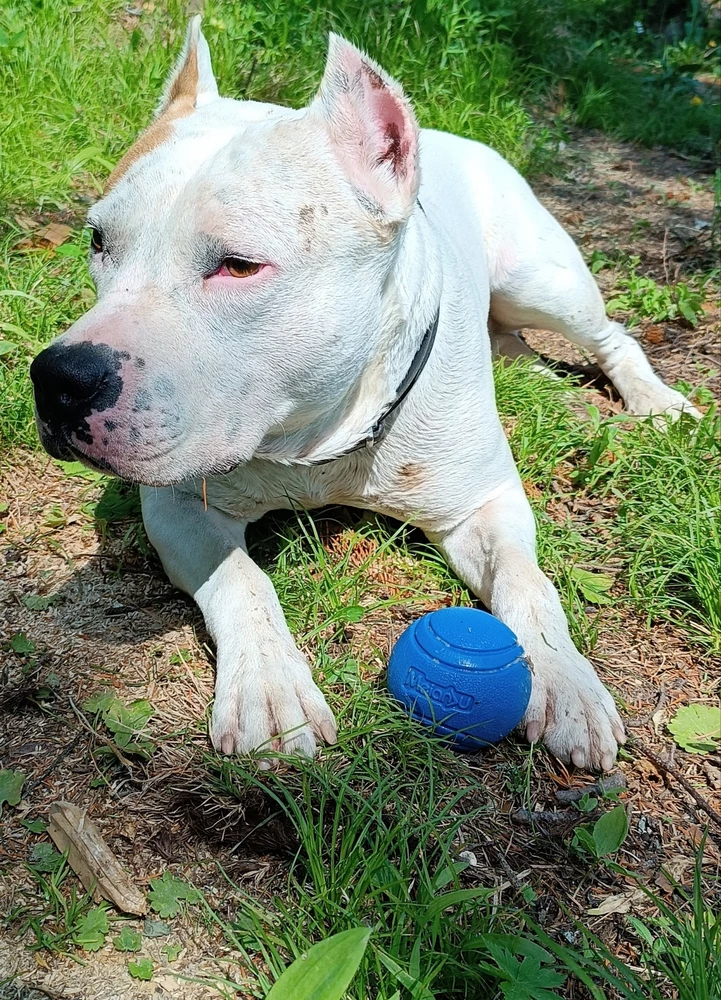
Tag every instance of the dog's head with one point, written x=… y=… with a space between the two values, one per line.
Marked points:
x=243 y=255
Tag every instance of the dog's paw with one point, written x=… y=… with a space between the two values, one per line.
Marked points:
x=660 y=401
x=272 y=703
x=574 y=715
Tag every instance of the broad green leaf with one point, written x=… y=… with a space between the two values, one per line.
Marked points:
x=44 y=858
x=447 y=874
x=35 y=602
x=128 y=939
x=71 y=250
x=6 y=347
x=81 y=471
x=610 y=831
x=593 y=586
x=582 y=836
x=125 y=721
x=167 y=893
x=21 y=644
x=353 y=613
x=92 y=929
x=514 y=943
x=34 y=825
x=325 y=971
x=156 y=928
x=11 y=786
x=526 y=979
x=142 y=969
x=697 y=728
x=171 y=951
x=103 y=701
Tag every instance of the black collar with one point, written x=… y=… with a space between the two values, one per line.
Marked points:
x=380 y=428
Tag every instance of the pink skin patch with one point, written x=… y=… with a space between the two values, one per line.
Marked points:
x=223 y=275
x=143 y=426
x=373 y=130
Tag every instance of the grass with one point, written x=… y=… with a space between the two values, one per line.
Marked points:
x=676 y=950
x=355 y=862
x=656 y=490
x=378 y=827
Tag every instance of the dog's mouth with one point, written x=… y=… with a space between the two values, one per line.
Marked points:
x=59 y=443
x=61 y=448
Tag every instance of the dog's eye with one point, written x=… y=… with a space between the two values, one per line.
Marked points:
x=96 y=241
x=237 y=267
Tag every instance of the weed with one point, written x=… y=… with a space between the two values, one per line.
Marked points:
x=606 y=835
x=58 y=920
x=11 y=786
x=126 y=722
x=697 y=728
x=325 y=970
x=168 y=894
x=677 y=950
x=142 y=969
x=639 y=297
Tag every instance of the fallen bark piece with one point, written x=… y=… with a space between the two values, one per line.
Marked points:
x=91 y=859
x=612 y=782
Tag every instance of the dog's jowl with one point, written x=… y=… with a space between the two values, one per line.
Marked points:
x=294 y=308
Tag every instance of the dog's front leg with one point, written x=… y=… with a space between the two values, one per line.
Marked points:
x=264 y=691
x=494 y=552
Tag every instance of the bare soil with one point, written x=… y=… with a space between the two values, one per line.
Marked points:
x=116 y=622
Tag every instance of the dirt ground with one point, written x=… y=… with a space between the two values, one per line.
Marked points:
x=115 y=621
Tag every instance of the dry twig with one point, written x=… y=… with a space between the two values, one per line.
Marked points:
x=669 y=770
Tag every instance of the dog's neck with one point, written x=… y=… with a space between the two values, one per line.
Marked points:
x=410 y=306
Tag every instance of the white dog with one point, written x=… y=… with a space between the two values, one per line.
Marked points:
x=271 y=284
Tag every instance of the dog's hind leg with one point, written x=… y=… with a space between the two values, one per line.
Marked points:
x=509 y=345
x=545 y=284
x=494 y=552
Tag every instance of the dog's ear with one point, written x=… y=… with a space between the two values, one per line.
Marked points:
x=191 y=83
x=372 y=128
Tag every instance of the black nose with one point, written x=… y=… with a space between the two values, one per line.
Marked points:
x=70 y=382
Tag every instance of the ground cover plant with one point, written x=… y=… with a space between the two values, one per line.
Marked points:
x=471 y=875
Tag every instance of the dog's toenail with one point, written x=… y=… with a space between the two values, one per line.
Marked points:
x=533 y=731
x=328 y=732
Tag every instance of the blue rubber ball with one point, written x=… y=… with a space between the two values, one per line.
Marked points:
x=462 y=672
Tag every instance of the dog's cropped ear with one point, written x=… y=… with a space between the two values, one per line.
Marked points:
x=191 y=83
x=372 y=128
